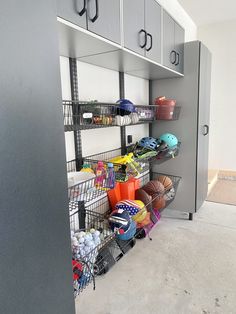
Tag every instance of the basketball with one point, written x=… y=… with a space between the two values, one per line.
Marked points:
x=166 y=181
x=154 y=188
x=159 y=203
x=141 y=195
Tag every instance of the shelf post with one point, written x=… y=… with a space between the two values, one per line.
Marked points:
x=122 y=128
x=75 y=97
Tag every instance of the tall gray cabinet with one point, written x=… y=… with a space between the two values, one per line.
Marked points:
x=192 y=93
x=35 y=263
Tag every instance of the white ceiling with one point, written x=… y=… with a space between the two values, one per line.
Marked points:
x=205 y=12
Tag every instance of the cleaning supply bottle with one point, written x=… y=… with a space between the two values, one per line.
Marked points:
x=100 y=175
x=110 y=181
x=87 y=168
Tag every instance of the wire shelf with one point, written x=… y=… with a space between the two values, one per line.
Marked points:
x=92 y=115
x=134 y=167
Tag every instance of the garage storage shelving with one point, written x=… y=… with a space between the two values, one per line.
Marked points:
x=89 y=205
x=138 y=51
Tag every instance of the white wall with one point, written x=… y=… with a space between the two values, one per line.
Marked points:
x=176 y=10
x=219 y=39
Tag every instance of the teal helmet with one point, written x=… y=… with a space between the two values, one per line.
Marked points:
x=169 y=139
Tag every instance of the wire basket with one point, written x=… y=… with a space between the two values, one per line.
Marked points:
x=80 y=115
x=146 y=113
x=134 y=167
x=169 y=193
x=85 y=245
x=100 y=257
x=165 y=112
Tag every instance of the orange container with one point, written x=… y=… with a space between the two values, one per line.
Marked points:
x=114 y=195
x=127 y=189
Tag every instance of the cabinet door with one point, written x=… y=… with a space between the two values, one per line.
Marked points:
x=179 y=47
x=73 y=11
x=134 y=36
x=169 y=55
x=203 y=128
x=153 y=28
x=104 y=18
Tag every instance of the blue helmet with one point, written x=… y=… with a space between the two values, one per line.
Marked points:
x=169 y=139
x=148 y=142
x=125 y=107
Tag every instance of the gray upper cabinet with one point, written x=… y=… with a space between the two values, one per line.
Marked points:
x=104 y=18
x=179 y=47
x=98 y=16
x=73 y=11
x=168 y=41
x=134 y=32
x=153 y=28
x=173 y=43
x=142 y=28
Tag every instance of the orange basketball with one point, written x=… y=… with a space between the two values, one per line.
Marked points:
x=166 y=181
x=159 y=203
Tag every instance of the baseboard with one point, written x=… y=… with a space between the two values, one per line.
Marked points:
x=227 y=175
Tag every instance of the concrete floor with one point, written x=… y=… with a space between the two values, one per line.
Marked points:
x=189 y=267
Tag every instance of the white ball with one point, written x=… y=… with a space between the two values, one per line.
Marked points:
x=89 y=243
x=81 y=246
x=92 y=230
x=96 y=233
x=87 y=249
x=81 y=234
x=87 y=237
x=81 y=240
x=82 y=253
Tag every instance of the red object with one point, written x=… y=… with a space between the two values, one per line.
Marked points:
x=77 y=269
x=166 y=108
x=114 y=195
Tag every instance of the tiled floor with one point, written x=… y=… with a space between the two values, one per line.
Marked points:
x=189 y=267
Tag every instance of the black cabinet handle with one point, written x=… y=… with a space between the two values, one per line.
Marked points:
x=171 y=54
x=83 y=10
x=177 y=62
x=96 y=14
x=206 y=128
x=150 y=47
x=145 y=33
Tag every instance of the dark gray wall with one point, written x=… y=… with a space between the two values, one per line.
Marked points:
x=35 y=257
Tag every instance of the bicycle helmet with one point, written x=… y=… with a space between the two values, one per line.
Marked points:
x=125 y=107
x=169 y=139
x=148 y=142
